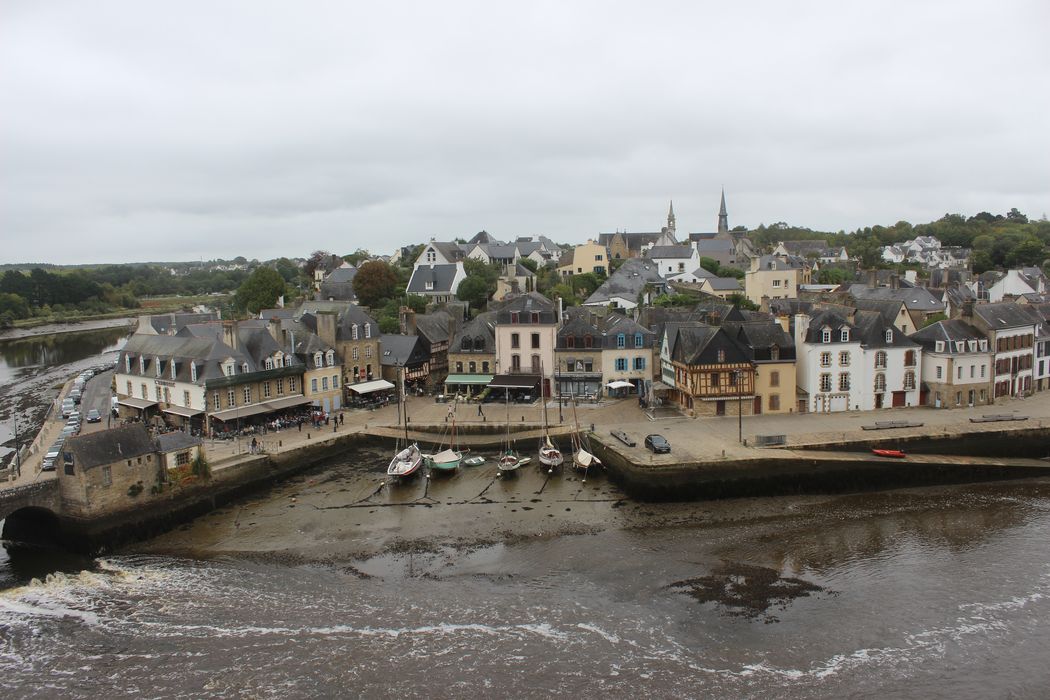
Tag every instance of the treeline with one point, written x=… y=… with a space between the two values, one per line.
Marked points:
x=997 y=240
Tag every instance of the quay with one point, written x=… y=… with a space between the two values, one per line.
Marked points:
x=710 y=457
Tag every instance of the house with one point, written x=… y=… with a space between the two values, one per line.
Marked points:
x=578 y=355
x=405 y=355
x=588 y=257
x=890 y=364
x=722 y=250
x=775 y=277
x=526 y=335
x=623 y=244
x=436 y=330
x=1016 y=283
x=499 y=253
x=1011 y=330
x=772 y=351
x=636 y=280
x=828 y=365
x=516 y=279
x=440 y=253
x=627 y=353
x=721 y=287
x=921 y=305
x=802 y=249
x=355 y=337
x=437 y=282
x=119 y=469
x=674 y=259
x=338 y=285
x=171 y=324
x=711 y=370
x=956 y=365
x=472 y=356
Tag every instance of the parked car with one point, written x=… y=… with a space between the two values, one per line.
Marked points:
x=94 y=416
x=68 y=407
x=657 y=443
x=50 y=458
x=73 y=417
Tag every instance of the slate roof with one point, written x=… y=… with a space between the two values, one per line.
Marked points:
x=525 y=305
x=346 y=316
x=104 y=447
x=434 y=326
x=758 y=337
x=715 y=245
x=628 y=281
x=724 y=284
x=914 y=298
x=484 y=327
x=871 y=331
x=830 y=319
x=1006 y=314
x=616 y=323
x=174 y=322
x=670 y=251
x=207 y=352
x=698 y=345
x=889 y=309
x=947 y=331
x=802 y=248
x=441 y=275
x=501 y=251
x=175 y=440
x=634 y=239
x=482 y=237
x=790 y=262
x=339 y=284
x=402 y=350
x=451 y=250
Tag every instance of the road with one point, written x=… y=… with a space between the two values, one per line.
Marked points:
x=97 y=395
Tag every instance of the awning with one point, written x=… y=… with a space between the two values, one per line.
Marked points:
x=241 y=412
x=515 y=381
x=660 y=386
x=183 y=411
x=619 y=384
x=468 y=379
x=287 y=402
x=369 y=387
x=136 y=403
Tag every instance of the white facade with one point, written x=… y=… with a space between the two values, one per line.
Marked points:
x=892 y=376
x=830 y=371
x=677 y=265
x=1014 y=283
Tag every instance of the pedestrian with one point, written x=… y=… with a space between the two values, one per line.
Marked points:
x=342 y=418
x=255 y=445
x=300 y=421
x=479 y=409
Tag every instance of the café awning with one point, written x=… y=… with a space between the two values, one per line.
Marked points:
x=369 y=387
x=287 y=402
x=240 y=412
x=132 y=402
x=620 y=384
x=514 y=381
x=468 y=379
x=183 y=411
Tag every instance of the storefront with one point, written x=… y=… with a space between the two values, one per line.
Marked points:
x=467 y=384
x=584 y=386
x=519 y=387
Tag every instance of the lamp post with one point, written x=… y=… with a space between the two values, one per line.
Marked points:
x=738 y=376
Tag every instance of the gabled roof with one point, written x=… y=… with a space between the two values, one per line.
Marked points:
x=699 y=345
x=833 y=321
x=175 y=440
x=914 y=298
x=715 y=245
x=781 y=262
x=401 y=350
x=627 y=281
x=434 y=326
x=173 y=323
x=525 y=305
x=670 y=251
x=482 y=237
x=442 y=277
x=872 y=329
x=342 y=275
x=724 y=284
x=759 y=337
x=484 y=327
x=1006 y=314
x=103 y=447
x=450 y=250
x=888 y=308
x=946 y=331
x=802 y=248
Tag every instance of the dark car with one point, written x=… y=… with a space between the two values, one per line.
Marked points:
x=94 y=416
x=657 y=443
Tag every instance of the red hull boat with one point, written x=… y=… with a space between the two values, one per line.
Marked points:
x=896 y=454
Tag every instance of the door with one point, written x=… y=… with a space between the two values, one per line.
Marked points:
x=758 y=406
x=327 y=406
x=878 y=400
x=898 y=398
x=720 y=408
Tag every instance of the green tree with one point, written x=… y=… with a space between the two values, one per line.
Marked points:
x=832 y=275
x=709 y=264
x=564 y=292
x=374 y=283
x=260 y=290
x=474 y=290
x=357 y=257
x=529 y=264
x=1029 y=252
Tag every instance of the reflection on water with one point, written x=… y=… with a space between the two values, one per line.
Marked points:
x=53 y=351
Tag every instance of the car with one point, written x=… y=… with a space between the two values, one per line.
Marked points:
x=68 y=408
x=94 y=416
x=50 y=458
x=73 y=417
x=69 y=431
x=657 y=443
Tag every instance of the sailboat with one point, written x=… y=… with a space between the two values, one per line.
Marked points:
x=550 y=456
x=446 y=460
x=581 y=458
x=510 y=460
x=407 y=461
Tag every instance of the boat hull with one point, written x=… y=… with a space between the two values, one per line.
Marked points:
x=406 y=462
x=895 y=454
x=551 y=458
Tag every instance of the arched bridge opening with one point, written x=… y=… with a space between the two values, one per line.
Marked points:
x=31 y=525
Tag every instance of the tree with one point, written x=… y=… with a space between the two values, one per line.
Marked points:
x=564 y=292
x=742 y=302
x=374 y=282
x=317 y=259
x=474 y=290
x=709 y=264
x=1016 y=216
x=260 y=290
x=832 y=275
x=1028 y=252
x=529 y=264
x=357 y=257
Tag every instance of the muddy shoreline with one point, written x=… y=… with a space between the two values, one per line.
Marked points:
x=70 y=327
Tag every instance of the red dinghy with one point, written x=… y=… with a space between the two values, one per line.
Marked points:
x=897 y=454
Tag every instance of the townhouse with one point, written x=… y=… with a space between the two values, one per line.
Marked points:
x=1011 y=330
x=526 y=335
x=956 y=365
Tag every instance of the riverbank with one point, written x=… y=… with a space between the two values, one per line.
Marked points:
x=47 y=327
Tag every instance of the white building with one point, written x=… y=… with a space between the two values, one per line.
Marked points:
x=1011 y=330
x=829 y=362
x=956 y=364
x=674 y=259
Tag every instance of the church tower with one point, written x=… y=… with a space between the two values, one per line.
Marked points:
x=723 y=216
x=670 y=219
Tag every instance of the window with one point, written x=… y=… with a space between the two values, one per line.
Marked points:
x=774 y=379
x=825 y=359
x=825 y=382
x=293 y=384
x=368 y=352
x=621 y=364
x=317 y=359
x=182 y=458
x=247 y=394
x=939 y=371
x=174 y=367
x=329 y=358
x=244 y=368
x=909 y=358
x=228 y=369
x=280 y=387
x=266 y=390
x=472 y=367
x=186 y=398
x=844 y=335
x=355 y=354
x=958 y=398
x=335 y=381
x=515 y=362
x=157 y=365
x=193 y=371
x=535 y=341
x=570 y=341
x=428 y=286
x=107 y=476
x=776 y=284
x=825 y=336
x=621 y=341
x=231 y=399
x=939 y=346
x=844 y=381
x=880 y=360
x=971 y=371
x=313 y=384
x=639 y=363
x=515 y=340
x=514 y=317
x=774 y=352
x=721 y=355
x=535 y=363
x=353 y=332
x=459 y=368
x=958 y=374
x=982 y=375
x=535 y=316
x=127 y=364
x=130 y=391
x=638 y=340
x=909 y=381
x=268 y=364
x=889 y=335
x=157 y=392
x=774 y=402
x=484 y=367
x=142 y=364
x=215 y=400
x=844 y=359
x=368 y=330
x=324 y=383
x=144 y=391
x=714 y=380
x=587 y=341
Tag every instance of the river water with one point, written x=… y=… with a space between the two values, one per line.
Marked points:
x=309 y=590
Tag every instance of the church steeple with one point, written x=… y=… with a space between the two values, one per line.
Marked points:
x=670 y=218
x=723 y=216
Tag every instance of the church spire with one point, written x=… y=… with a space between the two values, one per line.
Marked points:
x=670 y=218
x=723 y=216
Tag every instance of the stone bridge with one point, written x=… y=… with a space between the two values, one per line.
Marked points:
x=33 y=505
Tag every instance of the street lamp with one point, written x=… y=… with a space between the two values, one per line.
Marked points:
x=737 y=376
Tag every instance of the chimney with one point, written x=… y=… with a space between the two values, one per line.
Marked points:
x=763 y=305
x=754 y=263
x=967 y=309
x=895 y=281
x=274 y=326
x=873 y=278
x=408 y=320
x=326 y=321
x=229 y=333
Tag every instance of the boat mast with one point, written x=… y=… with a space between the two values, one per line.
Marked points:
x=404 y=403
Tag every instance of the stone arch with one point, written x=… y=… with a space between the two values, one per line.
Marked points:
x=32 y=525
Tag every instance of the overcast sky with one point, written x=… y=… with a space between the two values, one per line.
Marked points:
x=138 y=130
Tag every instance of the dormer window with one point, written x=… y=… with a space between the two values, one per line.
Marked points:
x=587 y=341
x=825 y=336
x=329 y=358
x=535 y=316
x=959 y=346
x=127 y=364
x=939 y=346
x=193 y=371
x=244 y=368
x=466 y=343
x=514 y=317
x=972 y=345
x=157 y=368
x=317 y=359
x=368 y=330
x=844 y=335
x=984 y=345
x=227 y=369
x=638 y=340
x=428 y=286
x=173 y=368
x=889 y=336
x=621 y=341
x=774 y=352
x=353 y=332
x=721 y=355
x=269 y=363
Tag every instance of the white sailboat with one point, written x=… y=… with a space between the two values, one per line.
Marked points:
x=448 y=459
x=408 y=460
x=510 y=460
x=550 y=456
x=582 y=460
